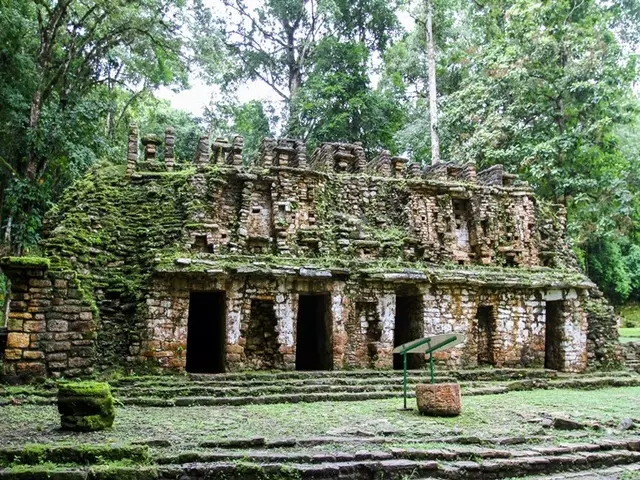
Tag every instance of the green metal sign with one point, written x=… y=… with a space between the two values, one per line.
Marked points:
x=426 y=345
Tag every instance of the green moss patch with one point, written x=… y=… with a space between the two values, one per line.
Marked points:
x=25 y=262
x=83 y=389
x=85 y=406
x=73 y=454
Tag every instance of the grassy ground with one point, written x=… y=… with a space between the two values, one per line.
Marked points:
x=631 y=315
x=630 y=331
x=483 y=416
x=629 y=334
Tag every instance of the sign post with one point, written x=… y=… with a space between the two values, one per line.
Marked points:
x=425 y=345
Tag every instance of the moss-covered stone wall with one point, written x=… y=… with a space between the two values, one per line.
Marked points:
x=361 y=231
x=51 y=325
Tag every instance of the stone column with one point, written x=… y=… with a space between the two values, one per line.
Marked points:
x=132 y=149
x=202 y=153
x=235 y=157
x=169 y=144
x=301 y=154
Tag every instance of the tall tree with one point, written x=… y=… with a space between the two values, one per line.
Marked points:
x=63 y=63
x=337 y=101
x=276 y=41
x=433 y=90
x=541 y=87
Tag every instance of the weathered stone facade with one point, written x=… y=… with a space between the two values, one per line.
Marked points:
x=295 y=261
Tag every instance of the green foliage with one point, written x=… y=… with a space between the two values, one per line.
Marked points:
x=70 y=73
x=605 y=264
x=154 y=116
x=28 y=262
x=253 y=121
x=544 y=88
x=614 y=264
x=336 y=103
x=630 y=314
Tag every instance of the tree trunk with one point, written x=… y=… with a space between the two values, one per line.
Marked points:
x=433 y=105
x=34 y=120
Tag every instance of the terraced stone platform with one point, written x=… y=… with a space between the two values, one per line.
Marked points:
x=512 y=434
x=293 y=387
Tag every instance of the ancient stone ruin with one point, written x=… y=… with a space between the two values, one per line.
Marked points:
x=299 y=261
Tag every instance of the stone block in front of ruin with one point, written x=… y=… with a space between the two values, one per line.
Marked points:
x=85 y=406
x=439 y=399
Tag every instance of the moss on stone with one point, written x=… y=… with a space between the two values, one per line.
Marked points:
x=86 y=423
x=85 y=406
x=83 y=454
x=25 y=262
x=84 y=389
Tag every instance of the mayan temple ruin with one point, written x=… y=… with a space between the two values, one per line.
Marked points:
x=295 y=260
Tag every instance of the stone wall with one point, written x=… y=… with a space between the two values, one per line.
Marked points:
x=363 y=317
x=51 y=325
x=303 y=213
x=445 y=238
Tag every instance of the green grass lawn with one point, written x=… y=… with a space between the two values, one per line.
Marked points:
x=631 y=315
x=483 y=416
x=629 y=334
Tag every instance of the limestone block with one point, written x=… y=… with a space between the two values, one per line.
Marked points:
x=439 y=399
x=33 y=355
x=17 y=340
x=13 y=354
x=34 y=326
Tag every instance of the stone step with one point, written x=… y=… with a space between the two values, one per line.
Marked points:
x=270 y=394
x=496 y=374
x=393 y=468
x=455 y=452
x=284 y=393
x=393 y=464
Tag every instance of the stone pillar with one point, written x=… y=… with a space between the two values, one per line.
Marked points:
x=169 y=144
x=361 y=159
x=151 y=142
x=132 y=149
x=235 y=157
x=301 y=153
x=267 y=152
x=414 y=170
x=202 y=153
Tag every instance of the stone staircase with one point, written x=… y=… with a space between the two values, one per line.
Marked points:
x=293 y=387
x=259 y=459
x=632 y=355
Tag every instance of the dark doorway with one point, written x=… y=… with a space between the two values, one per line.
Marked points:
x=262 y=349
x=553 y=357
x=485 y=332
x=314 y=349
x=409 y=325
x=206 y=334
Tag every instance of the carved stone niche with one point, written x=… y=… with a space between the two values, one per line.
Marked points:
x=227 y=152
x=397 y=166
x=151 y=142
x=339 y=157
